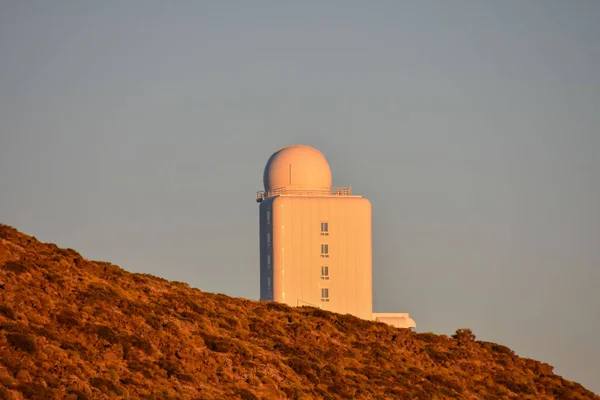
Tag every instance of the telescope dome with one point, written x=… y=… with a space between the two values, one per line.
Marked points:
x=297 y=167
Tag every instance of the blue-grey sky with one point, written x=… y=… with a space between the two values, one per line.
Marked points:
x=137 y=131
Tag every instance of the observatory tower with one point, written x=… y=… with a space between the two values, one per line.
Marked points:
x=315 y=240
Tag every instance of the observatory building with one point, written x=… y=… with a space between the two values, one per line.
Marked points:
x=315 y=239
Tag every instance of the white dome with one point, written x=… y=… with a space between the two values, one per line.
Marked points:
x=296 y=167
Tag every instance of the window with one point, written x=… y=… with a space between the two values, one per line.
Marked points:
x=269 y=239
x=325 y=251
x=268 y=260
x=268 y=216
x=324 y=229
x=325 y=294
x=324 y=272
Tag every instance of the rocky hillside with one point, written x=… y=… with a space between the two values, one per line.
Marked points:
x=71 y=328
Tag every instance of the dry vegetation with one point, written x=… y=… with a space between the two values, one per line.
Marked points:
x=76 y=329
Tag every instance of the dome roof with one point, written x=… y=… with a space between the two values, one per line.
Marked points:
x=296 y=167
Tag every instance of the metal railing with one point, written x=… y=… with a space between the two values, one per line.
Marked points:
x=300 y=303
x=312 y=192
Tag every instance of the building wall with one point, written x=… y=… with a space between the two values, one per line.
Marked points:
x=292 y=241
x=266 y=249
x=398 y=320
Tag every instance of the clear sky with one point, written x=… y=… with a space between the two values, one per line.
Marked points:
x=137 y=132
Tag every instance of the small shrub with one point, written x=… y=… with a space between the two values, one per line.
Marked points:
x=106 y=386
x=217 y=343
x=153 y=320
x=15 y=266
x=171 y=366
x=317 y=312
x=231 y=323
x=67 y=318
x=448 y=393
x=79 y=395
x=35 y=390
x=22 y=341
x=13 y=327
x=245 y=394
x=53 y=276
x=464 y=335
x=185 y=377
x=437 y=355
x=138 y=278
x=7 y=311
x=498 y=348
x=99 y=291
x=294 y=392
x=75 y=347
x=69 y=253
x=446 y=381
x=428 y=337
x=144 y=367
x=140 y=343
x=107 y=334
x=302 y=366
x=277 y=306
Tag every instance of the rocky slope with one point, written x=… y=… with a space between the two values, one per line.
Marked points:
x=77 y=329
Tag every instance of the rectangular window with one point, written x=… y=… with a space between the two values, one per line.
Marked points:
x=269 y=260
x=324 y=229
x=325 y=294
x=325 y=251
x=268 y=216
x=324 y=272
x=269 y=239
